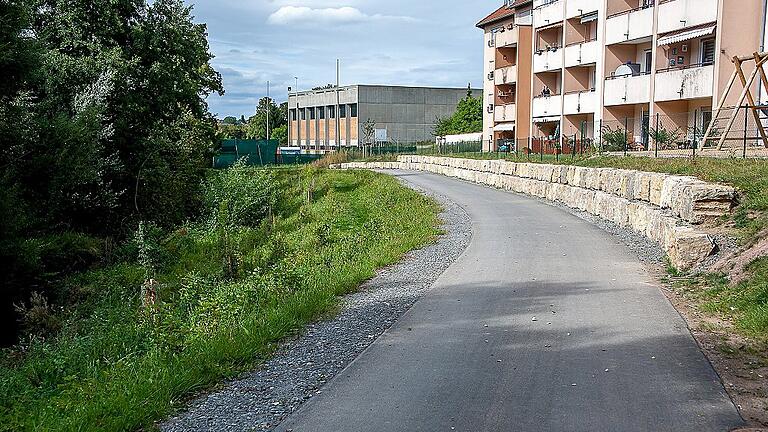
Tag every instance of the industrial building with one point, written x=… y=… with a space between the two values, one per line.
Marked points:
x=561 y=69
x=403 y=115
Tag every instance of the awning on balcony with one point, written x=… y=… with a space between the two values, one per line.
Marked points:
x=589 y=17
x=685 y=35
x=547 y=119
x=504 y=127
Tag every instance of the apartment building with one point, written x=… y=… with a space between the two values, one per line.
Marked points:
x=399 y=114
x=604 y=64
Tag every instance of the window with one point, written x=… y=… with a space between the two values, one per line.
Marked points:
x=342 y=111
x=321 y=113
x=706 y=119
x=331 y=111
x=353 y=110
x=303 y=113
x=708 y=52
x=311 y=113
x=648 y=61
x=293 y=115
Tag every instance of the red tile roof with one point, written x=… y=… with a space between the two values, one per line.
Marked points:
x=501 y=13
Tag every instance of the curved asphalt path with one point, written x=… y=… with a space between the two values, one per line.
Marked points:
x=469 y=356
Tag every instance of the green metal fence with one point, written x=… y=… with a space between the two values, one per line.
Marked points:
x=253 y=152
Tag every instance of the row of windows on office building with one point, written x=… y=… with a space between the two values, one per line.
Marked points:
x=312 y=113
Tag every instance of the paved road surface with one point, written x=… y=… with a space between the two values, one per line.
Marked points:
x=605 y=352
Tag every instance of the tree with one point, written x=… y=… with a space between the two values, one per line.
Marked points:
x=229 y=120
x=369 y=131
x=257 y=125
x=468 y=118
x=280 y=134
x=103 y=121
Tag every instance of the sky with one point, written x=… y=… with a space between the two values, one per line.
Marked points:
x=395 y=42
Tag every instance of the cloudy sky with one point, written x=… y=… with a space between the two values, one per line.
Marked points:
x=404 y=42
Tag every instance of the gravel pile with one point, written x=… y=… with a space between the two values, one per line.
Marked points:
x=260 y=400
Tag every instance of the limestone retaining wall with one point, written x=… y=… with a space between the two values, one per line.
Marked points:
x=664 y=208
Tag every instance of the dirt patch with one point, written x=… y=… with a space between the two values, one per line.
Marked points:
x=742 y=364
x=735 y=263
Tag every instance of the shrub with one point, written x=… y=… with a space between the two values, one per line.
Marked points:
x=249 y=194
x=664 y=138
x=614 y=139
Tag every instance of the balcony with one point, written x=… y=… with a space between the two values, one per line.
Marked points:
x=546 y=106
x=680 y=14
x=630 y=89
x=547 y=12
x=504 y=113
x=635 y=25
x=580 y=102
x=692 y=82
x=576 y=8
x=548 y=60
x=508 y=38
x=580 y=54
x=505 y=75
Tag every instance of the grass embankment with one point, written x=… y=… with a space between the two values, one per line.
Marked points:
x=744 y=304
x=274 y=251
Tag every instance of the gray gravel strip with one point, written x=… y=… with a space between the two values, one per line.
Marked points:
x=259 y=400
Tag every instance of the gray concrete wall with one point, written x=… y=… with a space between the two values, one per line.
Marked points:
x=408 y=113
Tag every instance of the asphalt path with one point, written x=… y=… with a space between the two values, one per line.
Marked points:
x=545 y=323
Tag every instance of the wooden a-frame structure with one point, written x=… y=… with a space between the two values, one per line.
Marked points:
x=760 y=60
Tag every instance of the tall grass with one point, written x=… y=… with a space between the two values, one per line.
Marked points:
x=227 y=288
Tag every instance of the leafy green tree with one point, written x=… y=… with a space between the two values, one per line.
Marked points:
x=229 y=120
x=468 y=118
x=103 y=122
x=280 y=134
x=257 y=125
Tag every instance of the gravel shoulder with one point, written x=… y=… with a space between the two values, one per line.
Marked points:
x=259 y=400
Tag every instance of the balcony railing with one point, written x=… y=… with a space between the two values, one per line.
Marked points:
x=580 y=102
x=548 y=12
x=628 y=89
x=505 y=75
x=550 y=59
x=689 y=82
x=508 y=37
x=505 y=113
x=582 y=53
x=631 y=25
x=576 y=8
x=680 y=14
x=547 y=106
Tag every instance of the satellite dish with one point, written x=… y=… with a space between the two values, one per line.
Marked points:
x=628 y=69
x=623 y=70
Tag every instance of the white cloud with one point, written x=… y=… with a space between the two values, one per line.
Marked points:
x=341 y=15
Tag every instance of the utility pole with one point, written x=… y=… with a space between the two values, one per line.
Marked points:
x=338 y=105
x=268 y=110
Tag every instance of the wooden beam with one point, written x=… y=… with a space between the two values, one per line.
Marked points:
x=751 y=99
x=720 y=105
x=742 y=96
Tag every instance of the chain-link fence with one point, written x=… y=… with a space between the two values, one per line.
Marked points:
x=734 y=132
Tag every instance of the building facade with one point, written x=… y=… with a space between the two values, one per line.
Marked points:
x=399 y=114
x=603 y=65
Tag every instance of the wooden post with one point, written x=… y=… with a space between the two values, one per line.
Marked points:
x=720 y=105
x=750 y=98
x=744 y=93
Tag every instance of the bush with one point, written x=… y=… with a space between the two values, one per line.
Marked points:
x=247 y=193
x=614 y=139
